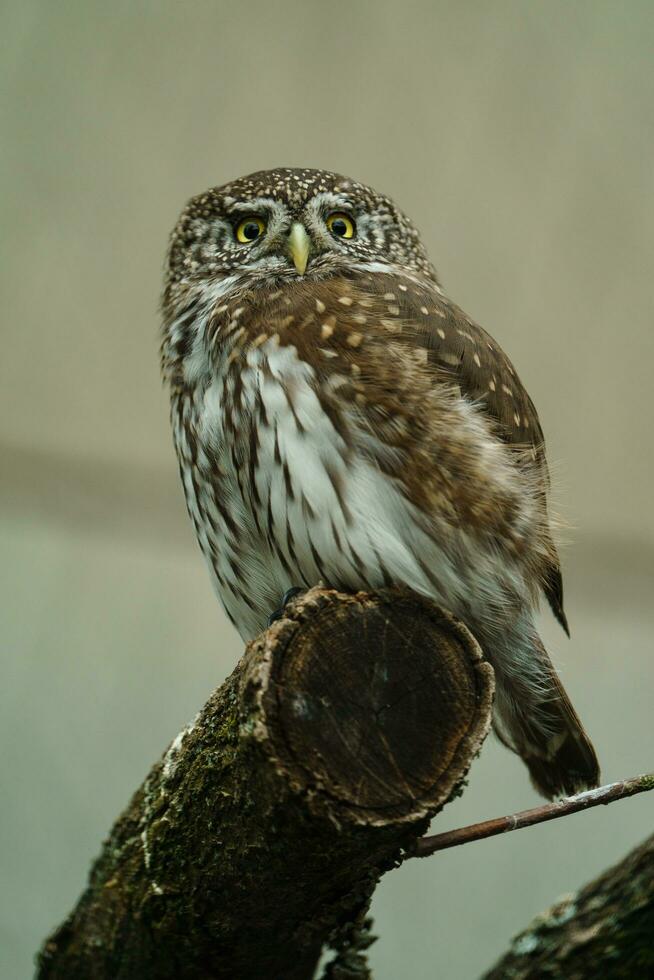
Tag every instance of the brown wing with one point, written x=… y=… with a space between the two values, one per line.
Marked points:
x=417 y=314
x=464 y=352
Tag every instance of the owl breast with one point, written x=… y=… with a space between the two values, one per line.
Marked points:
x=315 y=453
x=278 y=495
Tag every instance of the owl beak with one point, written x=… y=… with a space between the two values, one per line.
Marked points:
x=299 y=246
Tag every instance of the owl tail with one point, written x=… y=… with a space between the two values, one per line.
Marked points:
x=535 y=718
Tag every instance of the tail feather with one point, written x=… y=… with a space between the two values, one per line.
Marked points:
x=542 y=727
x=572 y=769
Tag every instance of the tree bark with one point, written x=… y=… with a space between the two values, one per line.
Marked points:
x=606 y=930
x=260 y=835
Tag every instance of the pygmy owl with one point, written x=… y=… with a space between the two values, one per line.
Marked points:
x=339 y=420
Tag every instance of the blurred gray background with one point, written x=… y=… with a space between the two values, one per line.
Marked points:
x=520 y=137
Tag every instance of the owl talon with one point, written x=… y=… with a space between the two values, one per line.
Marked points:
x=286 y=598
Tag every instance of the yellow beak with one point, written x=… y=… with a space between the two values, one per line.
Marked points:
x=299 y=245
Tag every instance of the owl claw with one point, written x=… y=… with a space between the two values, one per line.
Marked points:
x=286 y=598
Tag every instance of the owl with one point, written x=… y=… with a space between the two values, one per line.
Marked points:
x=339 y=420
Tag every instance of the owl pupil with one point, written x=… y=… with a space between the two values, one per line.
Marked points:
x=339 y=227
x=251 y=231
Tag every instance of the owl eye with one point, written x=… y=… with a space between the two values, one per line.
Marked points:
x=341 y=225
x=250 y=229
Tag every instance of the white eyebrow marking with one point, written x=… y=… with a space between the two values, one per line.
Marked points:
x=256 y=202
x=335 y=201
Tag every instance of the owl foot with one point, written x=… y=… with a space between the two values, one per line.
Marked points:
x=286 y=598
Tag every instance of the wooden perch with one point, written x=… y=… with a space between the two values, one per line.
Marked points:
x=261 y=834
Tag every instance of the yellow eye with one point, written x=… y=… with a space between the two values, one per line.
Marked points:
x=340 y=225
x=250 y=229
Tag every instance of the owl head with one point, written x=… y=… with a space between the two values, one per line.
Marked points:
x=276 y=225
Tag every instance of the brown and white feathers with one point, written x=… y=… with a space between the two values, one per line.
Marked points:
x=338 y=419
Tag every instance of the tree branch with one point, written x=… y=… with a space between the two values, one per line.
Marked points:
x=260 y=835
x=605 y=930
x=603 y=795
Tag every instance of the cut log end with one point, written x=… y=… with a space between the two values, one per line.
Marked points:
x=375 y=703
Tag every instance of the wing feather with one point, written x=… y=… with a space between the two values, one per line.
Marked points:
x=465 y=354
x=332 y=318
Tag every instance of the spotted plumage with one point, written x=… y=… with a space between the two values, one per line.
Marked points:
x=338 y=419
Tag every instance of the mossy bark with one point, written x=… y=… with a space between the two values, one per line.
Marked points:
x=606 y=930
x=260 y=835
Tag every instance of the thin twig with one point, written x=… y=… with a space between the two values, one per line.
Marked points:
x=425 y=846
